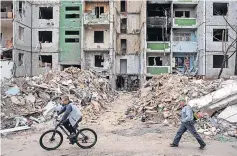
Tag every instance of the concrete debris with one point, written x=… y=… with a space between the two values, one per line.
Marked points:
x=229 y=114
x=160 y=98
x=15 y=100
x=14 y=129
x=218 y=99
x=40 y=94
x=163 y=92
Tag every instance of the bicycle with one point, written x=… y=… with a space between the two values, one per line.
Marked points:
x=80 y=136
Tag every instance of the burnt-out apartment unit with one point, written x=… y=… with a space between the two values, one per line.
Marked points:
x=158 y=37
x=129 y=36
x=97 y=44
x=188 y=37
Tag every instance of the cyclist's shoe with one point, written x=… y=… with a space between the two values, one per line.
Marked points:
x=71 y=136
x=72 y=141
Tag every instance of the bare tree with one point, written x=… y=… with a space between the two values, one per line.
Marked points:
x=226 y=49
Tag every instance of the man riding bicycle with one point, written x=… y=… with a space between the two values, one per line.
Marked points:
x=71 y=117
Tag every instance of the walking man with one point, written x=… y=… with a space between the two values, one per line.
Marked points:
x=187 y=123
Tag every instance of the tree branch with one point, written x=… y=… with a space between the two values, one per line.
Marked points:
x=229 y=24
x=231 y=55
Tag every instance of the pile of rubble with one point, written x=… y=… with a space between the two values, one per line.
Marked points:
x=29 y=96
x=158 y=100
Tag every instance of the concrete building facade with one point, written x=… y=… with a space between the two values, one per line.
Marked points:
x=70 y=26
x=6 y=39
x=181 y=37
x=129 y=32
x=97 y=45
x=125 y=41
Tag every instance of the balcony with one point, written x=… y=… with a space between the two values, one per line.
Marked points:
x=158 y=46
x=157 y=70
x=6 y=15
x=185 y=1
x=184 y=47
x=90 y=19
x=157 y=22
x=184 y=23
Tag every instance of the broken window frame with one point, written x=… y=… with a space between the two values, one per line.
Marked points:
x=45 y=63
x=155 y=64
x=98 y=40
x=124 y=8
x=21 y=33
x=225 y=37
x=20 y=7
x=123 y=46
x=219 y=64
x=43 y=17
x=46 y=38
x=99 y=11
x=123 y=25
x=101 y=64
x=218 y=13
x=20 y=59
x=182 y=36
x=163 y=36
x=184 y=13
x=179 y=62
x=7 y=55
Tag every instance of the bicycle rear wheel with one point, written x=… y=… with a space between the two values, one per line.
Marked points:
x=51 y=136
x=86 y=138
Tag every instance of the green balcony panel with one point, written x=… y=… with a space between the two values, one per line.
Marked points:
x=185 y=22
x=185 y=0
x=157 y=70
x=157 y=46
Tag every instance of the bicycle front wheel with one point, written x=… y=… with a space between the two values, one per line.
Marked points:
x=51 y=140
x=86 y=138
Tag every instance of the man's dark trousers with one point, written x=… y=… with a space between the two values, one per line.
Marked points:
x=183 y=128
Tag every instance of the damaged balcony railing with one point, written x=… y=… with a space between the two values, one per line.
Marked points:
x=95 y=19
x=6 y=15
x=158 y=46
x=158 y=21
x=185 y=22
x=156 y=70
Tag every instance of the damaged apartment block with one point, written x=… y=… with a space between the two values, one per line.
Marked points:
x=158 y=22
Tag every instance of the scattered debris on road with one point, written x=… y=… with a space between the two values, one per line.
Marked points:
x=28 y=96
x=160 y=98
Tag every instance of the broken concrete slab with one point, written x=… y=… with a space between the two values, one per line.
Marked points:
x=30 y=98
x=218 y=99
x=14 y=129
x=229 y=114
x=15 y=100
x=49 y=108
x=44 y=96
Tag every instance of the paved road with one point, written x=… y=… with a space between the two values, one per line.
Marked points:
x=131 y=138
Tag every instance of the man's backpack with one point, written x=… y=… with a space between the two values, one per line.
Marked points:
x=195 y=116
